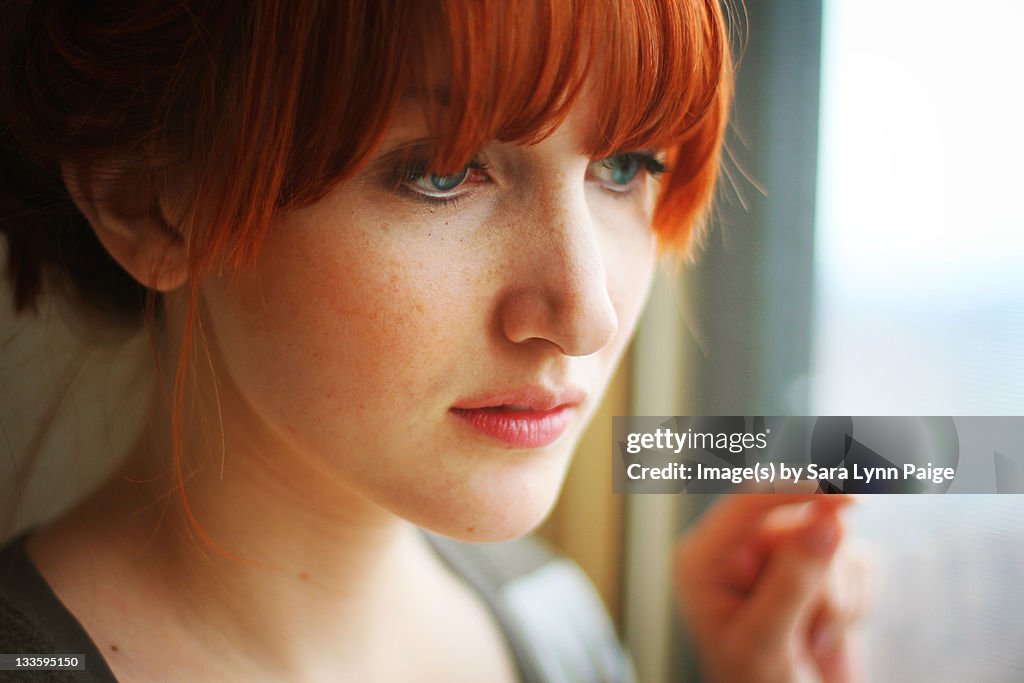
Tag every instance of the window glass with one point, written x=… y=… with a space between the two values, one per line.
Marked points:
x=920 y=305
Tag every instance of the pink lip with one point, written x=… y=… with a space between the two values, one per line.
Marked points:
x=531 y=417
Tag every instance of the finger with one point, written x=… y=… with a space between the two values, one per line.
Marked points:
x=736 y=516
x=845 y=595
x=784 y=593
x=828 y=636
x=783 y=520
x=833 y=657
x=859 y=576
x=715 y=575
x=775 y=531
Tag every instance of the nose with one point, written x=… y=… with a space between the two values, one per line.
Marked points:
x=559 y=292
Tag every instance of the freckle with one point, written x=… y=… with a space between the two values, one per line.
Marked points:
x=470 y=529
x=115 y=648
x=304 y=576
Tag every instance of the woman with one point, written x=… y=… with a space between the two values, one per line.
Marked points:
x=389 y=253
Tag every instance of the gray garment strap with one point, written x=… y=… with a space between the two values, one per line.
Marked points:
x=33 y=620
x=552 y=616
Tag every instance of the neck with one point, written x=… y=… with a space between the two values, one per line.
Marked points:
x=315 y=565
x=300 y=567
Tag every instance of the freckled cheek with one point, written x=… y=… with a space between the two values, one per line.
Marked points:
x=357 y=339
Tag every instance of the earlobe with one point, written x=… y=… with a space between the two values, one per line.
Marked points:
x=131 y=225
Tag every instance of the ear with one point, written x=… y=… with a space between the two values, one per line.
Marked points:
x=131 y=224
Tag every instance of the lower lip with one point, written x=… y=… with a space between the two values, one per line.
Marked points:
x=518 y=428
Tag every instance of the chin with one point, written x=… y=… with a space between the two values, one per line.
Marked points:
x=493 y=528
x=498 y=504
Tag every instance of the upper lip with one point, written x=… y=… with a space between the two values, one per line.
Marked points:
x=535 y=397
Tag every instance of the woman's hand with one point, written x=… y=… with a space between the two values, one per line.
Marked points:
x=768 y=592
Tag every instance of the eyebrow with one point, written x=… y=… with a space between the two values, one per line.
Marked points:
x=440 y=93
x=405 y=149
x=396 y=156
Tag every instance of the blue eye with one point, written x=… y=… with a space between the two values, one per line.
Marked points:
x=446 y=183
x=623 y=168
x=618 y=173
x=418 y=178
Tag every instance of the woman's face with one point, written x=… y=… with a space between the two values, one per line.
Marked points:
x=437 y=344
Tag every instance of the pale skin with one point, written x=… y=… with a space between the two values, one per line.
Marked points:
x=769 y=591
x=322 y=434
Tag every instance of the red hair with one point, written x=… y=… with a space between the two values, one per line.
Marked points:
x=258 y=107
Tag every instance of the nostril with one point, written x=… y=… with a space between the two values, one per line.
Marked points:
x=561 y=288
x=525 y=316
x=576 y=325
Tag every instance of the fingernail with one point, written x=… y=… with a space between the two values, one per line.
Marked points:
x=821 y=536
x=845 y=498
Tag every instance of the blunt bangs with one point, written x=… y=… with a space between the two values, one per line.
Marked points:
x=660 y=73
x=318 y=85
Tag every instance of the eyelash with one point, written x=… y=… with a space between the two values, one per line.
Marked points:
x=415 y=170
x=650 y=165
